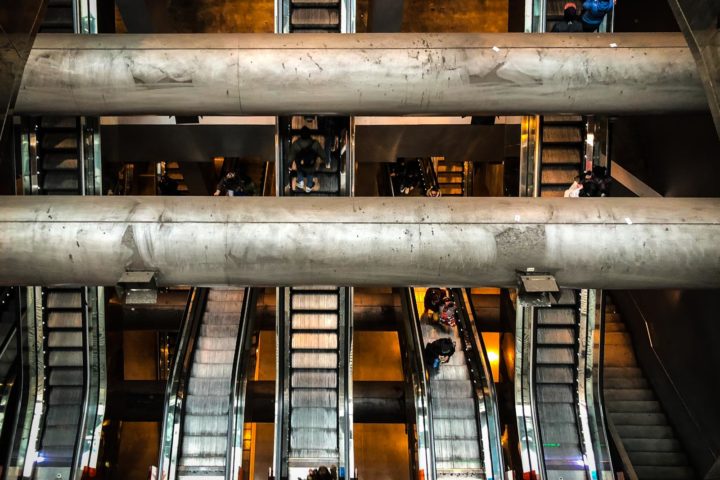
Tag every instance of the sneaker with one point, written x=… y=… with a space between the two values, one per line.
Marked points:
x=308 y=189
x=300 y=185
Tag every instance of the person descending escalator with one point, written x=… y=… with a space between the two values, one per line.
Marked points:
x=570 y=22
x=438 y=352
x=440 y=309
x=594 y=12
x=303 y=157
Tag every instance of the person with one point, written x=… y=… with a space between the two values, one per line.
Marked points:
x=245 y=186
x=570 y=22
x=589 y=185
x=227 y=184
x=602 y=179
x=323 y=473
x=434 y=297
x=575 y=188
x=594 y=12
x=433 y=192
x=438 y=352
x=167 y=185
x=304 y=153
x=447 y=314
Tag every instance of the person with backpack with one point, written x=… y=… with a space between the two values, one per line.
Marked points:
x=594 y=12
x=438 y=352
x=304 y=153
x=570 y=22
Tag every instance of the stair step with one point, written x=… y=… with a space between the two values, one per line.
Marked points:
x=652 y=445
x=630 y=394
x=645 y=432
x=640 y=459
x=639 y=418
x=625 y=382
x=627 y=406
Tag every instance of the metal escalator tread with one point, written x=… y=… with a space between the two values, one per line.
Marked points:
x=315 y=17
x=207 y=406
x=314 y=358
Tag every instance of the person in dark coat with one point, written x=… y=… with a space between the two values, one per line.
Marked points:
x=570 y=22
x=438 y=352
x=304 y=153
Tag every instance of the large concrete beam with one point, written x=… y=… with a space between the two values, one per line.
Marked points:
x=606 y=243
x=364 y=74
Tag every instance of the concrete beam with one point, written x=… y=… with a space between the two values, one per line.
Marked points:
x=585 y=243
x=360 y=74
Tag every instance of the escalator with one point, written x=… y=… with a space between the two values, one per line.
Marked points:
x=314 y=358
x=555 y=339
x=313 y=414
x=200 y=397
x=9 y=359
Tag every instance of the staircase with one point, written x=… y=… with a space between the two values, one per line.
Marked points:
x=633 y=408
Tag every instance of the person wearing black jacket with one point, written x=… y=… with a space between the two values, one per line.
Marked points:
x=570 y=22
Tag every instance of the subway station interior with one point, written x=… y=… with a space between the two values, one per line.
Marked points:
x=421 y=302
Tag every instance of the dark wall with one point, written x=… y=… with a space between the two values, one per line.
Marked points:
x=685 y=333
x=676 y=155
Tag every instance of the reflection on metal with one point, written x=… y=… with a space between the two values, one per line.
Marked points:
x=698 y=20
x=584 y=341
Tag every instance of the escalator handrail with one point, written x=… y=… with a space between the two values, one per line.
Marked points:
x=422 y=375
x=483 y=376
x=239 y=380
x=9 y=338
x=175 y=390
x=76 y=466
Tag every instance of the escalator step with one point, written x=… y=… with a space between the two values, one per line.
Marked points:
x=71 y=339
x=315 y=17
x=58 y=122
x=69 y=378
x=314 y=360
x=59 y=436
x=314 y=301
x=558 y=175
x=315 y=341
x=556 y=413
x=65 y=396
x=223 y=295
x=554 y=154
x=554 y=375
x=65 y=359
x=65 y=415
x=220 y=318
x=207 y=405
x=204 y=462
x=315 y=2
x=557 y=356
x=313 y=380
x=556 y=316
x=59 y=141
x=60 y=180
x=215 y=343
x=452 y=407
x=219 y=331
x=315 y=321
x=223 y=307
x=213 y=446
x=313 y=438
x=211 y=370
x=64 y=299
x=561 y=134
x=212 y=425
x=314 y=398
x=310 y=417
x=555 y=336
x=449 y=450
x=60 y=161
x=452 y=389
x=65 y=320
x=555 y=393
x=447 y=429
x=55 y=455
x=208 y=386
x=452 y=372
x=214 y=356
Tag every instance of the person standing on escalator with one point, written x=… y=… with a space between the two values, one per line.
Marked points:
x=594 y=12
x=437 y=353
x=303 y=157
x=570 y=22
